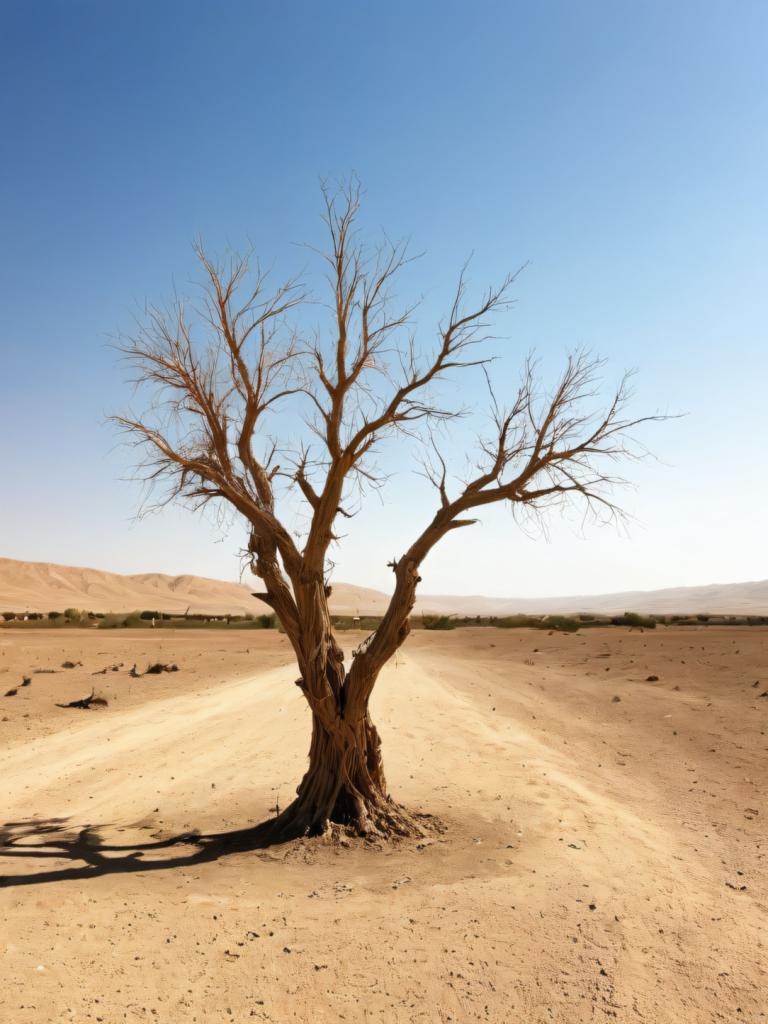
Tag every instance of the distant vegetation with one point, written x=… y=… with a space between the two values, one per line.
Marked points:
x=140 y=620
x=75 y=617
x=55 y=620
x=79 y=618
x=365 y=622
x=633 y=619
x=438 y=622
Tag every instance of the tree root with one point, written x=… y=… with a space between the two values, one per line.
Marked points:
x=378 y=821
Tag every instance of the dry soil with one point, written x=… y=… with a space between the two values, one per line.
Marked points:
x=604 y=852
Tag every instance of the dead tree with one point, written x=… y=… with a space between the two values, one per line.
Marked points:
x=206 y=440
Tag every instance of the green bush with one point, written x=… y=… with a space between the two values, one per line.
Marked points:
x=437 y=622
x=633 y=619
x=562 y=623
x=112 y=622
x=515 y=622
x=75 y=614
x=131 y=620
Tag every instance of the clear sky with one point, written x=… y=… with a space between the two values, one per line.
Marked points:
x=620 y=148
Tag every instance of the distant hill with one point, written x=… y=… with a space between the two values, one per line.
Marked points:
x=42 y=587
x=726 y=598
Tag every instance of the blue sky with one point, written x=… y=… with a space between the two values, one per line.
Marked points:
x=619 y=148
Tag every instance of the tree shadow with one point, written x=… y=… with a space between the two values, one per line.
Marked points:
x=92 y=857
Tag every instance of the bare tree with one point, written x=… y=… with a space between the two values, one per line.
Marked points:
x=206 y=440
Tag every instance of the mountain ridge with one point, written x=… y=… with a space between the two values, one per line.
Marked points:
x=49 y=586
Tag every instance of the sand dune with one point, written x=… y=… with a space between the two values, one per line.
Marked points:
x=725 y=598
x=602 y=859
x=42 y=587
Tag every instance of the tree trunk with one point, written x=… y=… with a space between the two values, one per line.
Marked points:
x=345 y=784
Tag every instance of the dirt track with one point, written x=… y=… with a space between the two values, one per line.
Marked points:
x=602 y=858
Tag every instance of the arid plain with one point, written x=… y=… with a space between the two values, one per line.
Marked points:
x=602 y=851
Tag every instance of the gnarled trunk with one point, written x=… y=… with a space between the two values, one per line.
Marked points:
x=345 y=782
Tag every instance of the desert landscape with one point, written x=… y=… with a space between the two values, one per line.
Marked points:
x=383 y=565
x=41 y=587
x=599 y=850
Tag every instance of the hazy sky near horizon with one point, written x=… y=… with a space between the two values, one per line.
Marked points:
x=619 y=148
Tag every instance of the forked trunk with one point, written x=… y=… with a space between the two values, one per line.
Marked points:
x=345 y=784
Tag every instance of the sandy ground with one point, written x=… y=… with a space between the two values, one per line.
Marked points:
x=603 y=858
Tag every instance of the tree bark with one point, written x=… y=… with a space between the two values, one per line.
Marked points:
x=344 y=783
